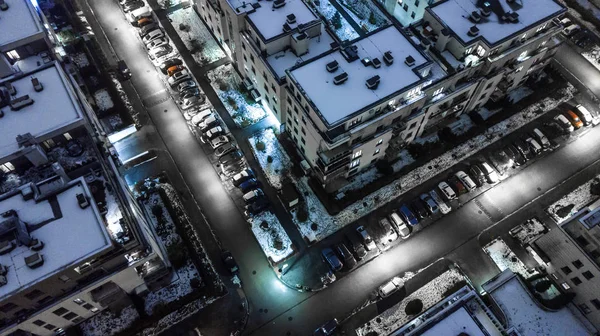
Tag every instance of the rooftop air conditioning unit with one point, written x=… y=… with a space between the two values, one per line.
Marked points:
x=34 y=261
x=339 y=79
x=20 y=102
x=475 y=17
x=410 y=61
x=248 y=84
x=3 y=5
x=373 y=82
x=332 y=66
x=473 y=31
x=291 y=19
x=6 y=246
x=82 y=201
x=286 y=27
x=513 y=17
x=278 y=3
x=388 y=58
x=3 y=269
x=3 y=280
x=37 y=86
x=255 y=95
x=36 y=245
x=11 y=89
x=376 y=63
x=486 y=9
x=366 y=61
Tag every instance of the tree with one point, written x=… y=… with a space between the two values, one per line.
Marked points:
x=372 y=18
x=414 y=307
x=337 y=20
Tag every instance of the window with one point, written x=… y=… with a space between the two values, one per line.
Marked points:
x=50 y=326
x=595 y=254
x=409 y=135
x=70 y=316
x=64 y=278
x=88 y=306
x=77 y=320
x=541 y=28
x=412 y=15
x=377 y=151
x=243 y=45
x=354 y=163
x=576 y=281
x=94 y=310
x=303 y=141
x=34 y=294
x=49 y=143
x=303 y=131
x=522 y=56
x=489 y=85
x=584 y=308
x=588 y=275
x=295 y=130
x=596 y=303
x=438 y=91
x=67 y=136
x=468 y=51
x=245 y=59
x=253 y=70
x=357 y=154
x=5 y=308
x=417 y=3
x=578 y=264
x=565 y=286
x=252 y=58
x=519 y=69
x=45 y=300
x=79 y=301
x=39 y=323
x=7 y=167
x=303 y=120
x=265 y=76
x=355 y=121
x=480 y=51
x=405 y=7
x=289 y=100
x=411 y=126
x=379 y=142
x=582 y=241
x=60 y=311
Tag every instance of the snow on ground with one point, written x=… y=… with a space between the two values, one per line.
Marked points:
x=361 y=180
x=519 y=93
x=103 y=100
x=274 y=171
x=404 y=159
x=242 y=108
x=395 y=317
x=486 y=114
x=271 y=236
x=461 y=125
x=590 y=7
x=180 y=286
x=504 y=258
x=196 y=36
x=528 y=231
x=360 y=11
x=125 y=99
x=80 y=59
x=593 y=55
x=181 y=314
x=433 y=137
x=164 y=4
x=579 y=198
x=345 y=32
x=106 y=323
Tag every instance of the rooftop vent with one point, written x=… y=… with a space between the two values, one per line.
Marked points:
x=510 y=1
x=3 y=5
x=36 y=245
x=332 y=66
x=3 y=280
x=410 y=61
x=350 y=53
x=34 y=261
x=473 y=31
x=425 y=44
x=388 y=58
x=475 y=17
x=20 y=102
x=339 y=79
x=286 y=27
x=278 y=3
x=11 y=89
x=486 y=9
x=37 y=86
x=82 y=201
x=373 y=82
x=291 y=19
x=3 y=270
x=513 y=17
x=376 y=63
x=6 y=246
x=366 y=61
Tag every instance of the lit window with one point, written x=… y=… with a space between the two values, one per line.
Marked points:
x=480 y=51
x=68 y=136
x=413 y=93
x=438 y=91
x=354 y=163
x=565 y=285
x=94 y=310
x=14 y=55
x=357 y=154
x=355 y=121
x=377 y=151
x=7 y=167
x=519 y=69
x=49 y=143
x=379 y=142
x=522 y=56
x=543 y=43
x=468 y=50
x=78 y=301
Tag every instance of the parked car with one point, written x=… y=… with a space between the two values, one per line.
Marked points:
x=389 y=234
x=430 y=204
x=229 y=262
x=123 y=70
x=490 y=174
x=442 y=205
x=219 y=141
x=347 y=257
x=179 y=77
x=242 y=176
x=574 y=119
x=249 y=185
x=153 y=35
x=501 y=161
x=419 y=208
x=158 y=52
x=523 y=149
x=466 y=180
x=130 y=6
x=192 y=92
x=225 y=149
x=144 y=21
x=390 y=287
x=207 y=123
x=356 y=246
x=184 y=85
x=233 y=168
x=571 y=30
x=477 y=175
x=584 y=114
x=148 y=28
x=189 y=102
x=251 y=196
x=231 y=157
x=169 y=63
x=213 y=133
x=541 y=138
x=564 y=123
x=176 y=68
x=329 y=256
x=257 y=206
x=446 y=190
x=366 y=238
x=535 y=146
x=407 y=215
x=327 y=329
x=400 y=225
x=515 y=156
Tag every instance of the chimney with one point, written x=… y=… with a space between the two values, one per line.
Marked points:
x=486 y=9
x=339 y=79
x=388 y=58
x=3 y=5
x=473 y=31
x=410 y=61
x=373 y=82
x=332 y=66
x=475 y=17
x=291 y=19
x=278 y=3
x=300 y=44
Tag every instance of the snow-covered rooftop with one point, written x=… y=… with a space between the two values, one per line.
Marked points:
x=525 y=315
x=455 y=15
x=269 y=21
x=336 y=102
x=456 y=323
x=70 y=235
x=54 y=107
x=286 y=59
x=20 y=21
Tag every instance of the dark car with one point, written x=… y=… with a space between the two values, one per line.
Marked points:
x=358 y=249
x=457 y=185
x=477 y=174
x=128 y=7
x=419 y=209
x=430 y=203
x=515 y=156
x=123 y=70
x=523 y=149
x=257 y=207
x=231 y=157
x=242 y=176
x=501 y=161
x=249 y=185
x=346 y=256
x=329 y=256
x=228 y=260
x=327 y=329
x=169 y=63
x=408 y=215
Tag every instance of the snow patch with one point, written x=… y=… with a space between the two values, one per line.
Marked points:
x=271 y=237
x=365 y=14
x=103 y=100
x=80 y=59
x=528 y=231
x=276 y=170
x=576 y=199
x=106 y=323
x=519 y=94
x=345 y=31
x=505 y=258
x=195 y=36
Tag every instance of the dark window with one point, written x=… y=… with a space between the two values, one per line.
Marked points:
x=595 y=254
x=303 y=141
x=417 y=3
x=585 y=308
x=266 y=88
x=576 y=281
x=588 y=275
x=596 y=303
x=566 y=270
x=34 y=294
x=303 y=131
x=405 y=7
x=295 y=130
x=243 y=45
x=253 y=70
x=77 y=320
x=88 y=306
x=489 y=85
x=5 y=308
x=39 y=323
x=60 y=311
x=245 y=59
x=45 y=300
x=295 y=109
x=265 y=77
x=582 y=241
x=373 y=161
x=252 y=58
x=70 y=316
x=303 y=120
x=578 y=264
x=50 y=326
x=412 y=126
x=273 y=88
x=412 y=15
x=379 y=128
x=409 y=135
x=289 y=100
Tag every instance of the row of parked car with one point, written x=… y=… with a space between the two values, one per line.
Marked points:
x=131 y=5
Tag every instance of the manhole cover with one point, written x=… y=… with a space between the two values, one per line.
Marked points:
x=290 y=318
x=539 y=189
x=253 y=272
x=480 y=212
x=266 y=311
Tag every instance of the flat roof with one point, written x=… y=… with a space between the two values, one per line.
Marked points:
x=336 y=102
x=54 y=107
x=455 y=15
x=286 y=59
x=18 y=22
x=70 y=235
x=460 y=321
x=269 y=21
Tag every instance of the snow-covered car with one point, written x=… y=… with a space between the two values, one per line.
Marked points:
x=208 y=123
x=429 y=203
x=242 y=176
x=390 y=287
x=541 y=138
x=192 y=92
x=189 y=102
x=231 y=157
x=446 y=190
x=147 y=28
x=389 y=234
x=442 y=205
x=564 y=123
x=366 y=238
x=477 y=175
x=153 y=35
x=200 y=116
x=158 y=52
x=466 y=180
x=251 y=196
x=213 y=133
x=130 y=6
x=179 y=77
x=219 y=141
x=400 y=225
x=225 y=149
x=230 y=168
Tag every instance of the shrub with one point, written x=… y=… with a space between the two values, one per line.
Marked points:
x=302 y=215
x=177 y=255
x=595 y=188
x=269 y=159
x=336 y=20
x=565 y=211
x=372 y=18
x=414 y=307
x=260 y=146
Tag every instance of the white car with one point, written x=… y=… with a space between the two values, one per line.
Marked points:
x=159 y=42
x=179 y=77
x=443 y=206
x=201 y=116
x=585 y=115
x=190 y=102
x=466 y=180
x=390 y=287
x=400 y=225
x=490 y=174
x=251 y=196
x=219 y=141
x=446 y=190
x=153 y=35
x=564 y=123
x=213 y=133
x=242 y=176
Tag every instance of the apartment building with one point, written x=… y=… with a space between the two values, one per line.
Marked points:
x=571 y=254
x=407 y=12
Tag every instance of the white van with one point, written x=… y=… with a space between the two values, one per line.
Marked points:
x=466 y=180
x=584 y=114
x=534 y=145
x=400 y=225
x=541 y=137
x=570 y=30
x=564 y=123
x=137 y=14
x=201 y=116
